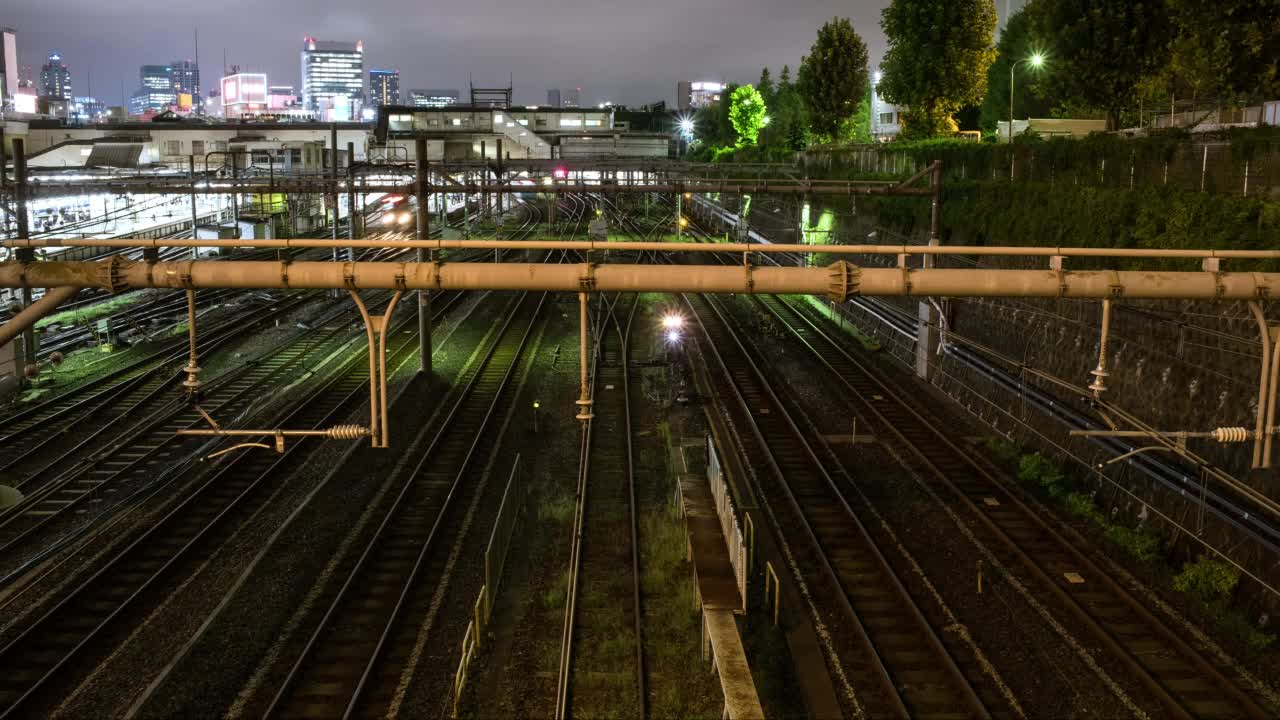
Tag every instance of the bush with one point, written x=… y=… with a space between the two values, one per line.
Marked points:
x=1208 y=580
x=1081 y=505
x=1142 y=543
x=1039 y=470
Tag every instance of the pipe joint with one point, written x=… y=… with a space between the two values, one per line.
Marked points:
x=845 y=279
x=111 y=275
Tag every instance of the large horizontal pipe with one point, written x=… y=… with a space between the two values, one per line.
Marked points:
x=30 y=315
x=587 y=245
x=840 y=280
x=319 y=185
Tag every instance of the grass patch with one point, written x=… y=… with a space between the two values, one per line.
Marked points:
x=1209 y=583
x=89 y=313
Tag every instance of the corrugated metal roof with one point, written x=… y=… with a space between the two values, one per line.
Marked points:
x=118 y=156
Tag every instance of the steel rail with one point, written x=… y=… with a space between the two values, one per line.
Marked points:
x=610 y=359
x=880 y=631
x=328 y=635
x=211 y=513
x=974 y=481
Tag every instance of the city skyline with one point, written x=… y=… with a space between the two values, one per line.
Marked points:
x=728 y=40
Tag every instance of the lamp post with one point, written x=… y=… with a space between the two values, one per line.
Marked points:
x=1034 y=61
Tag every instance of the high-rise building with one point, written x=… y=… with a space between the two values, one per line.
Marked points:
x=8 y=67
x=572 y=98
x=702 y=94
x=184 y=76
x=333 y=78
x=384 y=87
x=55 y=78
x=156 y=92
x=244 y=95
x=684 y=95
x=433 y=98
x=87 y=109
x=553 y=98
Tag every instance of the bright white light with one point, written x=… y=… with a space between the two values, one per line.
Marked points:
x=405 y=218
x=389 y=219
x=766 y=120
x=672 y=322
x=686 y=125
x=673 y=337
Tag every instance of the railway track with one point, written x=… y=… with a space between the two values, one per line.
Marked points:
x=602 y=645
x=883 y=646
x=57 y=649
x=353 y=660
x=72 y=420
x=1178 y=678
x=91 y=484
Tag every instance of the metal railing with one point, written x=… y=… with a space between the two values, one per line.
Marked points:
x=495 y=558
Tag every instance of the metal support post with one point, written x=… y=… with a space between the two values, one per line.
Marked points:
x=333 y=176
x=195 y=213
x=502 y=178
x=1100 y=373
x=484 y=179
x=424 y=231
x=679 y=215
x=1263 y=381
x=235 y=195
x=927 y=334
x=23 y=255
x=192 y=383
x=353 y=231
x=584 y=400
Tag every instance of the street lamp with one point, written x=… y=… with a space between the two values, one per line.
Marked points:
x=1035 y=61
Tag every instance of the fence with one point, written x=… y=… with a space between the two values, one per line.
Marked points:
x=495 y=558
x=733 y=536
x=1247 y=166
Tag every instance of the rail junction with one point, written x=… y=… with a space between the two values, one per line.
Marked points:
x=434 y=464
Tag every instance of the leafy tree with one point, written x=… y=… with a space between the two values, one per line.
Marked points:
x=788 y=128
x=766 y=88
x=937 y=62
x=833 y=76
x=747 y=113
x=1018 y=41
x=1228 y=49
x=856 y=129
x=1102 y=49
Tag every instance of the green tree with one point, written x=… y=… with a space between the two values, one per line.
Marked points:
x=1017 y=42
x=937 y=62
x=747 y=113
x=856 y=129
x=766 y=88
x=1102 y=50
x=833 y=76
x=1227 y=49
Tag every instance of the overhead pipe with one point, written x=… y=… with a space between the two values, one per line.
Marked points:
x=31 y=314
x=838 y=281
x=1264 y=376
x=621 y=246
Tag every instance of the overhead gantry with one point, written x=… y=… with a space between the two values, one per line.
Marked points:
x=838 y=281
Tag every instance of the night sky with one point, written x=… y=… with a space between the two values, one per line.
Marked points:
x=627 y=52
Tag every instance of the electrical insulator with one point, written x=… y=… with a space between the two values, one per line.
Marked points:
x=1231 y=435
x=347 y=432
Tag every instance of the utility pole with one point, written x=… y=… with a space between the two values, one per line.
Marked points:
x=23 y=255
x=195 y=251
x=353 y=232
x=424 y=233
